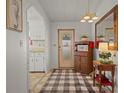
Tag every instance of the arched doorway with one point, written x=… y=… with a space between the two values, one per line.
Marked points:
x=36 y=47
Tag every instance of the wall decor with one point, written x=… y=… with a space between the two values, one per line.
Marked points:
x=14 y=15
x=107 y=26
x=109 y=34
x=82 y=47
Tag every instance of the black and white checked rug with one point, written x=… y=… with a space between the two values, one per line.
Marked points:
x=67 y=81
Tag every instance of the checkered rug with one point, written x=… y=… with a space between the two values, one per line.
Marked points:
x=67 y=81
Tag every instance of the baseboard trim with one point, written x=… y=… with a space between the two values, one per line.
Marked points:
x=37 y=71
x=64 y=68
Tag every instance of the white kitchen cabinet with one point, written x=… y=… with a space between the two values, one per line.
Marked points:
x=37 y=34
x=31 y=63
x=40 y=64
x=36 y=62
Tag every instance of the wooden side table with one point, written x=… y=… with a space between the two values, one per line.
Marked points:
x=100 y=77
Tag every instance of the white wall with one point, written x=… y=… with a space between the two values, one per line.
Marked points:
x=80 y=29
x=16 y=62
x=16 y=55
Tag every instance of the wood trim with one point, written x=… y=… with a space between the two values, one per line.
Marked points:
x=58 y=50
x=96 y=36
x=107 y=14
x=66 y=29
x=116 y=28
x=58 y=43
x=114 y=10
x=64 y=68
x=37 y=71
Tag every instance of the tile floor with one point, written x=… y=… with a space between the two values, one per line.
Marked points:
x=37 y=80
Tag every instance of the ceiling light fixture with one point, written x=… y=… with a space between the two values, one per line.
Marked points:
x=89 y=17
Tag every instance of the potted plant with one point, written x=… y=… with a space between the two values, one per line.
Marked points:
x=105 y=57
x=84 y=38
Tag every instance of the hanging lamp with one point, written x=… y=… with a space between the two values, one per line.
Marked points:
x=88 y=17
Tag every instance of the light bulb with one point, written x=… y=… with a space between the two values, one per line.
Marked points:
x=90 y=21
x=82 y=20
x=87 y=17
x=95 y=18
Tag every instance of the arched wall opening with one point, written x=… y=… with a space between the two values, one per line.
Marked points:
x=38 y=46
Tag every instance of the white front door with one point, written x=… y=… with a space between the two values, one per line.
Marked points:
x=66 y=48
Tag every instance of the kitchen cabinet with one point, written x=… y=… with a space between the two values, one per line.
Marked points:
x=31 y=63
x=37 y=34
x=37 y=46
x=36 y=62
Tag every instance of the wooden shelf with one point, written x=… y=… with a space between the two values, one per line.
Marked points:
x=100 y=78
x=103 y=80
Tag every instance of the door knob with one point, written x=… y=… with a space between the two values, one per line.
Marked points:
x=59 y=47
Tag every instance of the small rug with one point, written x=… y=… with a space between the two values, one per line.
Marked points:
x=67 y=81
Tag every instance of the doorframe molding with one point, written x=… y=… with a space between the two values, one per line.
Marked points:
x=58 y=43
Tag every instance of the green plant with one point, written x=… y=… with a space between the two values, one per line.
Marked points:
x=105 y=57
x=100 y=36
x=84 y=36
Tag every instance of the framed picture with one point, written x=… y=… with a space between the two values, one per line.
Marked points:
x=109 y=34
x=14 y=15
x=82 y=47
